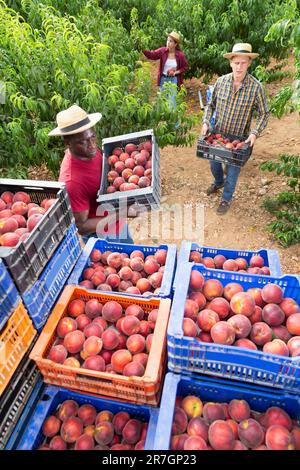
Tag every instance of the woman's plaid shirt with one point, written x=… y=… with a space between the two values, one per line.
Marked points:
x=235 y=109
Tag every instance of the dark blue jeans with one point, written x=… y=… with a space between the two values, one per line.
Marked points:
x=230 y=180
x=123 y=237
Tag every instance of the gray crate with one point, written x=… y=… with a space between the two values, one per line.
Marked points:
x=148 y=197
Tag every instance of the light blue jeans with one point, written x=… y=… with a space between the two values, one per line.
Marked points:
x=171 y=93
x=230 y=180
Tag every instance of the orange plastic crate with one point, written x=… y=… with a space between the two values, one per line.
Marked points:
x=146 y=389
x=15 y=340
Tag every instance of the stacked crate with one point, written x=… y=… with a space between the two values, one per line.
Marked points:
x=208 y=372
x=32 y=275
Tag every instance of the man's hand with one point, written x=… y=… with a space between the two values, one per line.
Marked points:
x=251 y=140
x=204 y=129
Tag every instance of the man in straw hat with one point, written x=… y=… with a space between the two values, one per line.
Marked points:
x=172 y=61
x=81 y=170
x=235 y=98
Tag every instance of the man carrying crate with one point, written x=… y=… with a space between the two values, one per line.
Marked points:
x=81 y=170
x=235 y=98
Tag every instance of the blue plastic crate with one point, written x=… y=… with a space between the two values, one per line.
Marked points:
x=210 y=390
x=40 y=298
x=270 y=257
x=186 y=354
x=9 y=298
x=104 y=245
x=51 y=397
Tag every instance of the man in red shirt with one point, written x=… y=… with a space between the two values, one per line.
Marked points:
x=81 y=171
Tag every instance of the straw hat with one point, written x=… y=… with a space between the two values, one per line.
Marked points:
x=243 y=48
x=74 y=120
x=175 y=36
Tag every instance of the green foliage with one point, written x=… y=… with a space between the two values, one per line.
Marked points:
x=88 y=60
x=286 y=206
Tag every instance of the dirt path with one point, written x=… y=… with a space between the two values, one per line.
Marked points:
x=186 y=177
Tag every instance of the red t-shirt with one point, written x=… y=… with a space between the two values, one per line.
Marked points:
x=82 y=179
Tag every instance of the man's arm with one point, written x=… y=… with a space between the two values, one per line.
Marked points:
x=263 y=112
x=209 y=110
x=86 y=225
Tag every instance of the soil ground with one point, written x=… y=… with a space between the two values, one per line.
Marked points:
x=184 y=179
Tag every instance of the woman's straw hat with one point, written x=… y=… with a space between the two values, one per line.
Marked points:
x=243 y=48
x=74 y=120
x=175 y=36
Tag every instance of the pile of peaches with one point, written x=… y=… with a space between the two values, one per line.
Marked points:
x=217 y=140
x=74 y=427
x=120 y=272
x=255 y=266
x=104 y=337
x=19 y=216
x=231 y=426
x=130 y=168
x=260 y=318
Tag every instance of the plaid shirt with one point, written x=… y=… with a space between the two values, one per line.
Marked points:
x=234 y=109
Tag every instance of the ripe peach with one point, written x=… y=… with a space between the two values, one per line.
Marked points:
x=204 y=337
x=192 y=406
x=112 y=311
x=71 y=429
x=245 y=343
x=208 y=262
x=195 y=257
x=242 y=263
x=67 y=409
x=93 y=308
x=251 y=433
x=92 y=346
x=219 y=260
x=125 y=273
x=136 y=263
x=196 y=281
x=212 y=288
x=144 y=328
x=276 y=415
x=198 y=427
x=9 y=239
x=51 y=426
x=242 y=303
x=177 y=441
x=87 y=413
x=231 y=289
x=294 y=346
x=33 y=220
x=84 y=442
x=220 y=435
x=220 y=306
x=230 y=265
x=142 y=358
x=98 y=278
x=132 y=431
x=130 y=325
x=93 y=329
x=241 y=324
x=189 y=327
x=57 y=443
x=256 y=316
x=104 y=432
x=273 y=315
x=73 y=341
x=134 y=368
x=58 y=354
x=149 y=340
x=143 y=285
x=206 y=319
x=7 y=197
x=199 y=298
x=272 y=293
x=94 y=363
x=104 y=415
x=136 y=343
x=152 y=317
x=66 y=325
x=110 y=338
x=195 y=443
x=289 y=306
x=260 y=333
x=6 y=213
x=233 y=424
x=281 y=332
x=76 y=308
x=293 y=324
x=71 y=362
x=119 y=360
x=212 y=412
x=279 y=438
x=96 y=255
x=255 y=292
x=19 y=208
x=156 y=280
x=21 y=196
x=120 y=419
x=8 y=225
x=82 y=321
x=135 y=310
x=256 y=261
x=276 y=346
x=161 y=256
x=114 y=260
x=239 y=410
x=223 y=333
x=238 y=445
